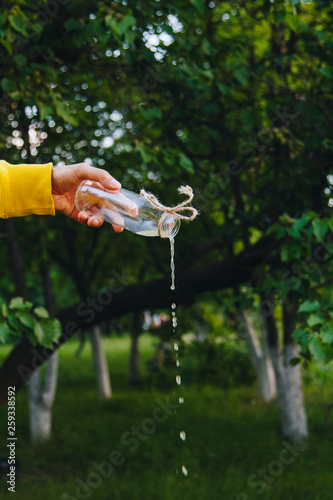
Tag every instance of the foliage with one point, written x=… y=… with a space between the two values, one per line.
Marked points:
x=225 y=363
x=21 y=318
x=232 y=98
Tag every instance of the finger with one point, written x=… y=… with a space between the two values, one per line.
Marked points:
x=113 y=217
x=83 y=217
x=84 y=171
x=94 y=221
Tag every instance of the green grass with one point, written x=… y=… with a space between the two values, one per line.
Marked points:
x=231 y=436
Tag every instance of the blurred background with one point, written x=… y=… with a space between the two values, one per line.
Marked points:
x=233 y=402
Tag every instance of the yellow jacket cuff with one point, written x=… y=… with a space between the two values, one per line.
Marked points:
x=25 y=190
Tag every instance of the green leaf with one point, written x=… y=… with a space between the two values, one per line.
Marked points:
x=17 y=303
x=4 y=310
x=298 y=225
x=7 y=84
x=309 y=306
x=18 y=22
x=186 y=163
x=146 y=157
x=47 y=331
x=326 y=333
x=151 y=113
x=199 y=5
x=295 y=361
x=4 y=332
x=316 y=349
x=16 y=326
x=44 y=110
x=315 y=319
x=7 y=46
x=120 y=27
x=3 y=17
x=292 y=21
x=279 y=18
x=26 y=319
x=41 y=312
x=71 y=25
x=320 y=228
x=241 y=75
x=285 y=254
x=298 y=334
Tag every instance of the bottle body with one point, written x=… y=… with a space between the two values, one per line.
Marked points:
x=125 y=209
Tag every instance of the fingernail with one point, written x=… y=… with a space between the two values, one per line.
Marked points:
x=115 y=184
x=94 y=223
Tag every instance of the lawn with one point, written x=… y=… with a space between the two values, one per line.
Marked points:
x=233 y=446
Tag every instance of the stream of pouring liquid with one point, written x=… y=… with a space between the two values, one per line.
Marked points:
x=182 y=434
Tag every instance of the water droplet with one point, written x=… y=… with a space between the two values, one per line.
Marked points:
x=177 y=362
x=173 y=306
x=172 y=287
x=182 y=435
x=181 y=401
x=178 y=379
x=175 y=346
x=184 y=470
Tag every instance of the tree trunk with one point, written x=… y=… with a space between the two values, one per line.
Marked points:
x=288 y=379
x=133 y=361
x=40 y=402
x=260 y=357
x=100 y=364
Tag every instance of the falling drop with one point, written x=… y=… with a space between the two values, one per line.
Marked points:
x=175 y=346
x=177 y=362
x=181 y=401
x=182 y=435
x=184 y=470
x=173 y=306
x=178 y=379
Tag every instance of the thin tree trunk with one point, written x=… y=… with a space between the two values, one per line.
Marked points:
x=260 y=359
x=133 y=361
x=100 y=364
x=41 y=399
x=288 y=380
x=270 y=382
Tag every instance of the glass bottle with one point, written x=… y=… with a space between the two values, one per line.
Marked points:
x=125 y=209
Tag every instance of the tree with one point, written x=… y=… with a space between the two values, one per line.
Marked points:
x=229 y=98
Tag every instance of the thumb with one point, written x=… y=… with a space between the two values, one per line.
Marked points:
x=86 y=172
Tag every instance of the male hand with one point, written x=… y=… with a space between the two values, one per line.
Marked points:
x=66 y=180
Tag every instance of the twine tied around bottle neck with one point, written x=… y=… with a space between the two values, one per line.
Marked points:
x=178 y=209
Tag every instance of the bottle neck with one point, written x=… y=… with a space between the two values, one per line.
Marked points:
x=170 y=226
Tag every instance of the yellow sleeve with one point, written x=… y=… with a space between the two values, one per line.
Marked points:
x=25 y=190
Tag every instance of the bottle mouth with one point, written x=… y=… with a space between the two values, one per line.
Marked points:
x=170 y=226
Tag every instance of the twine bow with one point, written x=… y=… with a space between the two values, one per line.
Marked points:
x=178 y=209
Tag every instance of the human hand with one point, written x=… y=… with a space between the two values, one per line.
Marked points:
x=66 y=180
